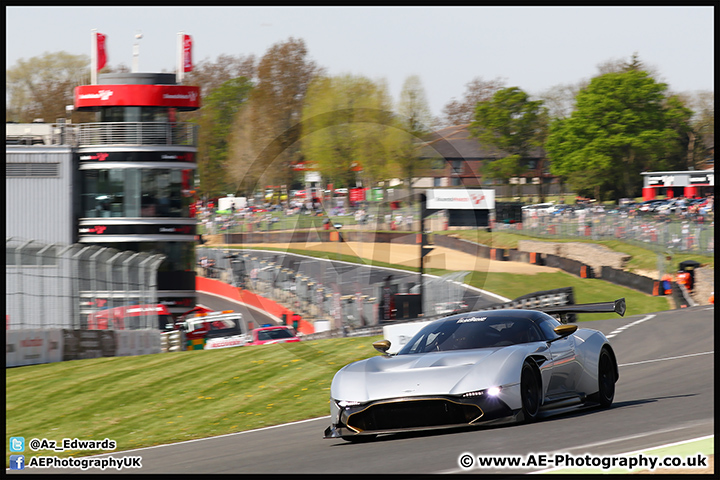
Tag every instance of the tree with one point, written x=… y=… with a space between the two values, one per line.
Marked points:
x=505 y=168
x=560 y=99
x=43 y=86
x=622 y=125
x=220 y=108
x=462 y=112
x=272 y=123
x=348 y=130
x=516 y=126
x=417 y=121
x=209 y=75
x=702 y=126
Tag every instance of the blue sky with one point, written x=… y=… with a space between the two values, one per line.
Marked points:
x=447 y=47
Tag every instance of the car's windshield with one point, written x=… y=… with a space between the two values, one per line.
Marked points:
x=274 y=334
x=469 y=332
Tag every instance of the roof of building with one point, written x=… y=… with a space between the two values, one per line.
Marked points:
x=456 y=142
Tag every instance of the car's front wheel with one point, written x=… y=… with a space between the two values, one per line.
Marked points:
x=530 y=392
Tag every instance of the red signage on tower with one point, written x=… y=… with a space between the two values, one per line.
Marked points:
x=101 y=53
x=187 y=54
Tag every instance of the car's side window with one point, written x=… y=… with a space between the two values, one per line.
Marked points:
x=548 y=329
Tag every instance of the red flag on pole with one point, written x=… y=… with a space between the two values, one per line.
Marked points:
x=187 y=54
x=101 y=54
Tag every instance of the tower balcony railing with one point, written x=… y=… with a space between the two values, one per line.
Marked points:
x=136 y=133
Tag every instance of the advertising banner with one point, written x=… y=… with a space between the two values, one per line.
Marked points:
x=187 y=54
x=178 y=96
x=460 y=199
x=101 y=52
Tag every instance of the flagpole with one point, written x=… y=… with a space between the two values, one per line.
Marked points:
x=93 y=57
x=180 y=60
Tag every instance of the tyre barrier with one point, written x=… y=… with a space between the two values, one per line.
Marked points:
x=631 y=280
x=497 y=254
x=536 y=259
x=573 y=267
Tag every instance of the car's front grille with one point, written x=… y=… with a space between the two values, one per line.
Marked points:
x=408 y=414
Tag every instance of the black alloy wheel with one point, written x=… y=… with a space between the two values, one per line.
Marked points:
x=530 y=392
x=606 y=379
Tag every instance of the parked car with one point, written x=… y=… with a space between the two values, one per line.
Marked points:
x=649 y=205
x=273 y=334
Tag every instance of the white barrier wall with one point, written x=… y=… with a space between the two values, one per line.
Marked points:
x=32 y=347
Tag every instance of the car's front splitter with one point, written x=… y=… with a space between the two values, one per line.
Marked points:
x=409 y=414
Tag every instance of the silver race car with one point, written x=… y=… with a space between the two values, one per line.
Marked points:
x=476 y=368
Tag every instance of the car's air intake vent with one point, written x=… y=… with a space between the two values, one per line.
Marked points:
x=414 y=414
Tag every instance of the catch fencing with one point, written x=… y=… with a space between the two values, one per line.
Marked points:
x=340 y=296
x=58 y=285
x=660 y=234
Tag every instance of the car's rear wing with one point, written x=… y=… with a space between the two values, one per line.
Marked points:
x=618 y=306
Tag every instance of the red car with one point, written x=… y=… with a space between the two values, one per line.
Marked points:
x=277 y=334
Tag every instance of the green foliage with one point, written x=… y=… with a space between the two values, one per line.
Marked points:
x=218 y=114
x=510 y=121
x=346 y=122
x=504 y=168
x=622 y=125
x=513 y=124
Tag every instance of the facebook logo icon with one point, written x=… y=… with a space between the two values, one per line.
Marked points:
x=17 y=462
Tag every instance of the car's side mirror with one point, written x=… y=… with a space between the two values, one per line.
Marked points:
x=382 y=346
x=565 y=330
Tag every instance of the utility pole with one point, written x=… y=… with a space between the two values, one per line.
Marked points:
x=424 y=249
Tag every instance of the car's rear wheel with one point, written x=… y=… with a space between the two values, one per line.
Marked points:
x=530 y=392
x=606 y=379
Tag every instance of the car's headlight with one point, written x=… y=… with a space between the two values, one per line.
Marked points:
x=492 y=392
x=346 y=403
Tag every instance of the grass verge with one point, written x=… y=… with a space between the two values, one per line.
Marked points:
x=164 y=398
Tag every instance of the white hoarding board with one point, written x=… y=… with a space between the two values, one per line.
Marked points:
x=460 y=199
x=400 y=334
x=312 y=177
